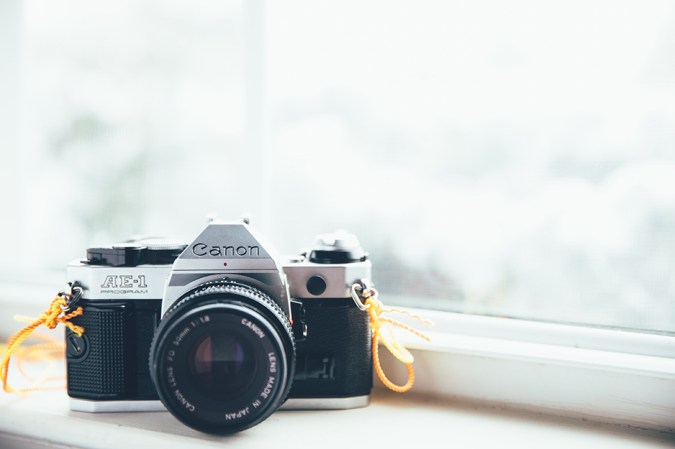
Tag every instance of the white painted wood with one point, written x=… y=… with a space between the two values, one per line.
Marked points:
x=391 y=421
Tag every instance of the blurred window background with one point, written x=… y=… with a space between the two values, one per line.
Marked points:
x=502 y=158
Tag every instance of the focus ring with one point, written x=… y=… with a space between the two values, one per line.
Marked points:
x=227 y=286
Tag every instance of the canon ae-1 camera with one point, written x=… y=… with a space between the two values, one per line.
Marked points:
x=222 y=331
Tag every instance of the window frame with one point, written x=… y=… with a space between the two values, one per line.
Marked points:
x=605 y=375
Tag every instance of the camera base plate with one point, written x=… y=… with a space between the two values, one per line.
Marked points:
x=84 y=405
x=326 y=403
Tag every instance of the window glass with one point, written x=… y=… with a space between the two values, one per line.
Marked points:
x=132 y=123
x=511 y=159
x=502 y=158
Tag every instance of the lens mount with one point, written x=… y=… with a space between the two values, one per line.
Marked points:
x=223 y=358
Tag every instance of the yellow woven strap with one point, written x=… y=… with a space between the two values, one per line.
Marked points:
x=48 y=354
x=51 y=318
x=383 y=332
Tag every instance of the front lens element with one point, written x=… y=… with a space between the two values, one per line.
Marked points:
x=222 y=363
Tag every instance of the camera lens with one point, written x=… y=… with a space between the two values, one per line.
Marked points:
x=223 y=358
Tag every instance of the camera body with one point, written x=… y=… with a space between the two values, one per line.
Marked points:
x=221 y=331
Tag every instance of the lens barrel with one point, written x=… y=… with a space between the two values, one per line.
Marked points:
x=223 y=357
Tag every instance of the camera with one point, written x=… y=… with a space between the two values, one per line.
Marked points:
x=221 y=331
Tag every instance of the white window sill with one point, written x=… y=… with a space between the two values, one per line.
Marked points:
x=583 y=373
x=42 y=420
